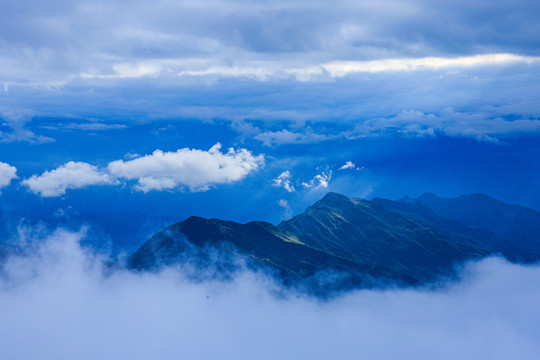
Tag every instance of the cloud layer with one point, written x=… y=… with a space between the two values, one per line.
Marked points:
x=58 y=41
x=364 y=63
x=478 y=126
x=58 y=304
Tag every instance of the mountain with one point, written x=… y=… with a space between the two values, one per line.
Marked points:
x=408 y=241
x=517 y=226
x=367 y=233
x=424 y=215
x=260 y=241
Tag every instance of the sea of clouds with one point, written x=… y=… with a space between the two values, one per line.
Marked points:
x=60 y=302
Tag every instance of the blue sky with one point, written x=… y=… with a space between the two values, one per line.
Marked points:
x=119 y=106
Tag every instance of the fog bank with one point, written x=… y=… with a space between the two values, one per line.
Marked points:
x=58 y=303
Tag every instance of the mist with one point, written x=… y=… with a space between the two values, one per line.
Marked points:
x=60 y=302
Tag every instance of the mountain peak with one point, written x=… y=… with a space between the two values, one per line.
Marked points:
x=333 y=194
x=428 y=195
x=411 y=242
x=334 y=199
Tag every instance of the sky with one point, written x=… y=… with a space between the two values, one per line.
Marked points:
x=245 y=111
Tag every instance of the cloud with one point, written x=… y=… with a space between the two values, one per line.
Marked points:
x=482 y=126
x=284 y=204
x=14 y=128
x=94 y=126
x=491 y=313
x=72 y=175
x=343 y=68
x=59 y=43
x=261 y=70
x=196 y=169
x=477 y=126
x=272 y=138
x=350 y=165
x=7 y=173
x=84 y=126
x=319 y=181
x=284 y=180
x=287 y=207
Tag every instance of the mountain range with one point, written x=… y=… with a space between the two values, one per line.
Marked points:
x=339 y=242
x=359 y=242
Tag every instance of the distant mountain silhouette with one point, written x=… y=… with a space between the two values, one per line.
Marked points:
x=517 y=227
x=411 y=241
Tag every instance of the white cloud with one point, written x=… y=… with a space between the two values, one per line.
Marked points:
x=271 y=138
x=319 y=181
x=350 y=165
x=284 y=180
x=58 y=43
x=491 y=313
x=343 y=68
x=94 y=126
x=72 y=175
x=478 y=126
x=7 y=173
x=196 y=169
x=261 y=70
x=17 y=130
x=287 y=207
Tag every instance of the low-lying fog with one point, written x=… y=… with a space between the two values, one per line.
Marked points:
x=59 y=304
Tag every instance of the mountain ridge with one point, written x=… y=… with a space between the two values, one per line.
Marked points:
x=406 y=241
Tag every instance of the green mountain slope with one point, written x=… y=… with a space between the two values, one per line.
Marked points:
x=261 y=243
x=366 y=232
x=404 y=241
